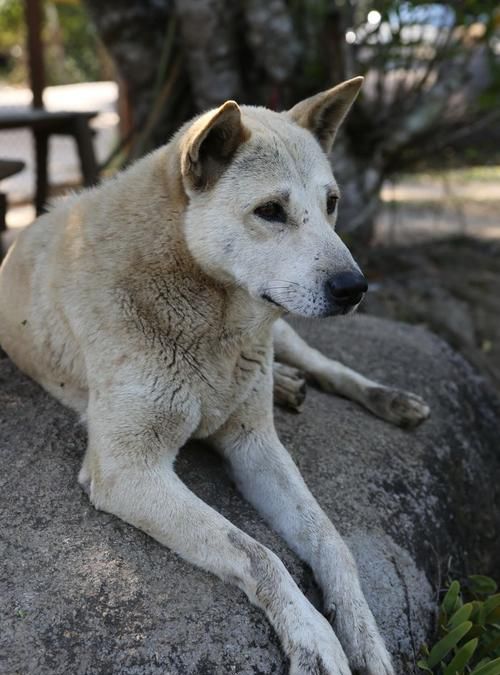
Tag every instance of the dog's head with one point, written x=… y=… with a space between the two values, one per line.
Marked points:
x=263 y=203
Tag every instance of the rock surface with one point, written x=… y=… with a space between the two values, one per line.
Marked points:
x=450 y=286
x=84 y=593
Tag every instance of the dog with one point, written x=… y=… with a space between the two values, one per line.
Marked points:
x=153 y=306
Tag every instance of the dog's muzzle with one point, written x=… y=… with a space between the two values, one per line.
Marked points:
x=346 y=289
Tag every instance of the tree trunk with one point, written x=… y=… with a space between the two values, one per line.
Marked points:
x=179 y=57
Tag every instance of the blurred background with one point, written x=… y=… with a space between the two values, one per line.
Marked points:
x=87 y=86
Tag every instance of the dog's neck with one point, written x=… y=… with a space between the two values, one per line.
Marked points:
x=246 y=315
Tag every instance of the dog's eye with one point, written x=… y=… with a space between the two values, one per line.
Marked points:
x=331 y=203
x=272 y=211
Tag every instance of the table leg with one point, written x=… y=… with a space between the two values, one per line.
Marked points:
x=41 y=157
x=88 y=162
x=3 y=224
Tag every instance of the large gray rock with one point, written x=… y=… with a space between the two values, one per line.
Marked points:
x=84 y=593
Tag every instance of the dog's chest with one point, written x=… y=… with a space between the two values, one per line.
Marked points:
x=205 y=352
x=229 y=378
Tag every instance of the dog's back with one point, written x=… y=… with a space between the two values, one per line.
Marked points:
x=42 y=279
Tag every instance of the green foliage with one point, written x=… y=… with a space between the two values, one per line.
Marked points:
x=70 y=33
x=12 y=40
x=71 y=48
x=11 y=20
x=468 y=639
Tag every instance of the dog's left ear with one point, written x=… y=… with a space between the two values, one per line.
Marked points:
x=324 y=113
x=210 y=143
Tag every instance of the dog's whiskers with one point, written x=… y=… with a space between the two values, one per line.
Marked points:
x=285 y=281
x=283 y=288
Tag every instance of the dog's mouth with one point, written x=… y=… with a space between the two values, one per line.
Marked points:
x=340 y=306
x=268 y=298
x=347 y=305
x=340 y=309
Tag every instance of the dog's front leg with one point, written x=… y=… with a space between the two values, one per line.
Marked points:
x=394 y=405
x=269 y=479
x=128 y=471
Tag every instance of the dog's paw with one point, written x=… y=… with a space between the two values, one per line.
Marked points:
x=289 y=386
x=319 y=659
x=84 y=479
x=399 y=407
x=361 y=640
x=308 y=662
x=373 y=660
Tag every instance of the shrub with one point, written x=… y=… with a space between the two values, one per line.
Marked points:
x=468 y=636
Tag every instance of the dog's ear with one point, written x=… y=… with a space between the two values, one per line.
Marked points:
x=323 y=114
x=210 y=143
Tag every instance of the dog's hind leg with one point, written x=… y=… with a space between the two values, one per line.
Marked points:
x=394 y=405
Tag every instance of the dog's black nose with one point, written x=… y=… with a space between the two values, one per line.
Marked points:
x=347 y=288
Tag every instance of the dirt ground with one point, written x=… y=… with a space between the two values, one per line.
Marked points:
x=447 y=204
x=436 y=261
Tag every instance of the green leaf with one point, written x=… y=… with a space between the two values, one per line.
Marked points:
x=489 y=648
x=451 y=597
x=424 y=650
x=482 y=585
x=442 y=619
x=493 y=617
x=423 y=666
x=491 y=668
x=482 y=662
x=489 y=606
x=476 y=631
x=461 y=658
x=460 y=616
x=476 y=610
x=446 y=644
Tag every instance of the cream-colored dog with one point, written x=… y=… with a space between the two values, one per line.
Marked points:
x=151 y=306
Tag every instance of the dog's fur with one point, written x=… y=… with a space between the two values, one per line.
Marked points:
x=150 y=305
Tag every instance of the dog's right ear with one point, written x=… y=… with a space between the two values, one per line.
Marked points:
x=210 y=143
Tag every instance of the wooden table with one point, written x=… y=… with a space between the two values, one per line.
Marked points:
x=8 y=167
x=44 y=124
